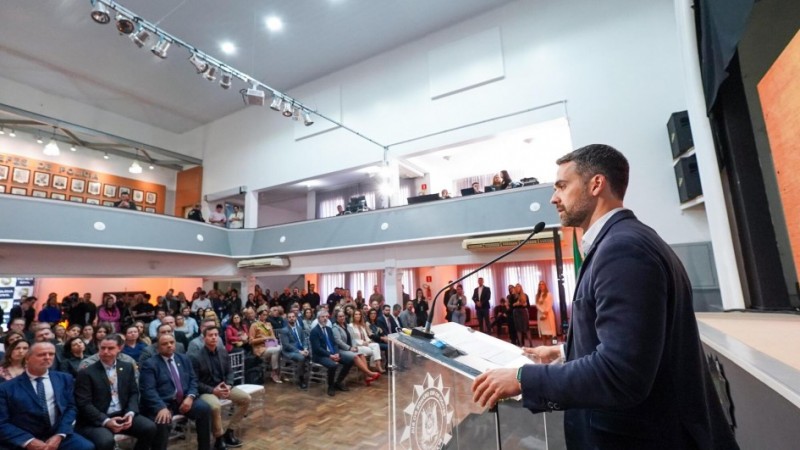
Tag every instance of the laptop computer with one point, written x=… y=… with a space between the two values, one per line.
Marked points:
x=489 y=188
x=467 y=191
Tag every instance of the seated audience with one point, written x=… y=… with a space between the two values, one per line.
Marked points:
x=142 y=335
x=125 y=201
x=215 y=382
x=152 y=349
x=445 y=194
x=294 y=346
x=133 y=346
x=37 y=409
x=168 y=386
x=87 y=336
x=361 y=339
x=275 y=318
x=73 y=331
x=308 y=319
x=347 y=347
x=14 y=359
x=500 y=315
x=477 y=187
x=376 y=333
x=72 y=355
x=59 y=333
x=51 y=313
x=264 y=343
x=237 y=334
x=107 y=398
x=323 y=351
x=196 y=344
x=408 y=318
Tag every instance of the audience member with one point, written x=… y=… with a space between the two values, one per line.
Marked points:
x=520 y=313
x=51 y=313
x=360 y=333
x=477 y=187
x=196 y=214
x=408 y=318
x=421 y=307
x=445 y=194
x=456 y=306
x=324 y=352
x=107 y=398
x=133 y=346
x=217 y=217
x=152 y=349
x=237 y=334
x=236 y=219
x=275 y=318
x=72 y=355
x=294 y=346
x=312 y=298
x=125 y=201
x=482 y=296
x=168 y=387
x=308 y=319
x=143 y=337
x=37 y=410
x=214 y=383
x=14 y=359
x=110 y=313
x=348 y=349
x=264 y=343
x=500 y=316
x=376 y=296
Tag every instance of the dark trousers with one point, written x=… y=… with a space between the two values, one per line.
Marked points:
x=143 y=429
x=332 y=365
x=200 y=413
x=73 y=441
x=483 y=321
x=302 y=365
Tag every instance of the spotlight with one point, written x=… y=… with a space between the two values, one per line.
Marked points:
x=295 y=113
x=210 y=74
x=125 y=25
x=12 y=133
x=2 y=131
x=307 y=120
x=39 y=139
x=51 y=149
x=100 y=12
x=151 y=167
x=72 y=148
x=254 y=96
x=140 y=37
x=105 y=156
x=276 y=102
x=287 y=109
x=198 y=63
x=135 y=167
x=161 y=47
x=225 y=80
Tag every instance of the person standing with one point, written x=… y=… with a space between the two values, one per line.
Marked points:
x=482 y=296
x=236 y=219
x=635 y=374
x=217 y=217
x=545 y=316
x=456 y=306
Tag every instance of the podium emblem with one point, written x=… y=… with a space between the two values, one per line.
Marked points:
x=429 y=416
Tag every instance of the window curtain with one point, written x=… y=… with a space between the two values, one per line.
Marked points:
x=327 y=282
x=409 y=281
x=362 y=281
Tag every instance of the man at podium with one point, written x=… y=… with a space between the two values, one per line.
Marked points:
x=633 y=373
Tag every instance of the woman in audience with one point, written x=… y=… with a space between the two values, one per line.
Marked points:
x=133 y=345
x=236 y=334
x=209 y=314
x=308 y=319
x=545 y=317
x=360 y=300
x=143 y=337
x=60 y=333
x=102 y=330
x=51 y=313
x=265 y=343
x=346 y=344
x=376 y=332
x=182 y=326
x=109 y=313
x=360 y=332
x=182 y=301
x=73 y=353
x=73 y=331
x=348 y=312
x=520 y=314
x=14 y=360
x=421 y=307
x=505 y=180
x=11 y=337
x=87 y=333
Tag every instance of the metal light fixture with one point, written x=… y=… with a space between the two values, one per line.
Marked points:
x=225 y=80
x=296 y=113
x=105 y=156
x=254 y=96
x=288 y=109
x=199 y=64
x=39 y=139
x=51 y=149
x=100 y=12
x=277 y=101
x=135 y=167
x=12 y=133
x=140 y=37
x=72 y=148
x=125 y=25
x=151 y=167
x=161 y=47
x=307 y=120
x=2 y=131
x=210 y=74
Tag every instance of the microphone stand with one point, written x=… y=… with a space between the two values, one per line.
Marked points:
x=426 y=332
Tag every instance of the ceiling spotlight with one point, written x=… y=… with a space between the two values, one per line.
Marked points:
x=199 y=64
x=276 y=102
x=2 y=131
x=72 y=148
x=210 y=74
x=228 y=48
x=100 y=12
x=307 y=120
x=135 y=167
x=296 y=113
x=125 y=25
x=161 y=47
x=12 y=133
x=105 y=156
x=151 y=167
x=254 y=96
x=225 y=80
x=51 y=149
x=288 y=109
x=39 y=139
x=274 y=23
x=140 y=37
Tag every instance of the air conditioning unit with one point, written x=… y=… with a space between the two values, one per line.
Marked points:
x=506 y=242
x=263 y=263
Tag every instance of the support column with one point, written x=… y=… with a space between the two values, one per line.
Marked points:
x=311 y=205
x=251 y=209
x=392 y=278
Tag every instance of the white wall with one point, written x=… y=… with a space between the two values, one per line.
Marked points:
x=616 y=63
x=280 y=213
x=96 y=286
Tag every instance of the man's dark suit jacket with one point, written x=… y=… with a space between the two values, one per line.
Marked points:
x=319 y=347
x=486 y=296
x=635 y=375
x=156 y=386
x=289 y=342
x=93 y=393
x=387 y=324
x=21 y=417
x=201 y=363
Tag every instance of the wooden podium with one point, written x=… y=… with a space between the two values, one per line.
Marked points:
x=430 y=394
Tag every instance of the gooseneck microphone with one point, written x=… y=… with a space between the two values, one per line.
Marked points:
x=426 y=333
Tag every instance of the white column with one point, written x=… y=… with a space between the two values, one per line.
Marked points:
x=716 y=210
x=311 y=205
x=251 y=209
x=394 y=182
x=391 y=284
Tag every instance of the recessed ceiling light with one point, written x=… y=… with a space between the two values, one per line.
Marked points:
x=274 y=23
x=228 y=48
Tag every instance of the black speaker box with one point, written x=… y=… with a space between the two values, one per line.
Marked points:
x=687 y=176
x=680 y=133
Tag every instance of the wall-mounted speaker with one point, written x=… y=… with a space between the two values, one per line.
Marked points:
x=680 y=133
x=687 y=176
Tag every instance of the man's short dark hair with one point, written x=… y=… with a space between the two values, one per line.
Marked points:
x=604 y=160
x=211 y=328
x=116 y=338
x=158 y=330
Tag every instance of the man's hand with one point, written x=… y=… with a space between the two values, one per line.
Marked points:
x=53 y=442
x=304 y=352
x=495 y=385
x=543 y=354
x=222 y=391
x=115 y=424
x=36 y=444
x=186 y=405
x=164 y=416
x=127 y=421
x=335 y=357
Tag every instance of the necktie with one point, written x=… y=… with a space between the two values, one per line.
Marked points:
x=328 y=340
x=176 y=380
x=42 y=397
x=296 y=336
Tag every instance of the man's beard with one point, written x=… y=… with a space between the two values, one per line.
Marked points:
x=579 y=213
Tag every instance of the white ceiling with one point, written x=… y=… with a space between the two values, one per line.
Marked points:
x=54 y=46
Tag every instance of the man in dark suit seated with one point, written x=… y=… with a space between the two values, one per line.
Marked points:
x=215 y=383
x=293 y=346
x=168 y=387
x=323 y=351
x=107 y=397
x=635 y=374
x=37 y=408
x=152 y=349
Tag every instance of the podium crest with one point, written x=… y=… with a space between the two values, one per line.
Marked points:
x=429 y=416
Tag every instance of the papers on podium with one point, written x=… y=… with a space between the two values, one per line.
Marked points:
x=481 y=351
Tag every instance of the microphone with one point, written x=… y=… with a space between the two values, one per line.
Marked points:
x=426 y=333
